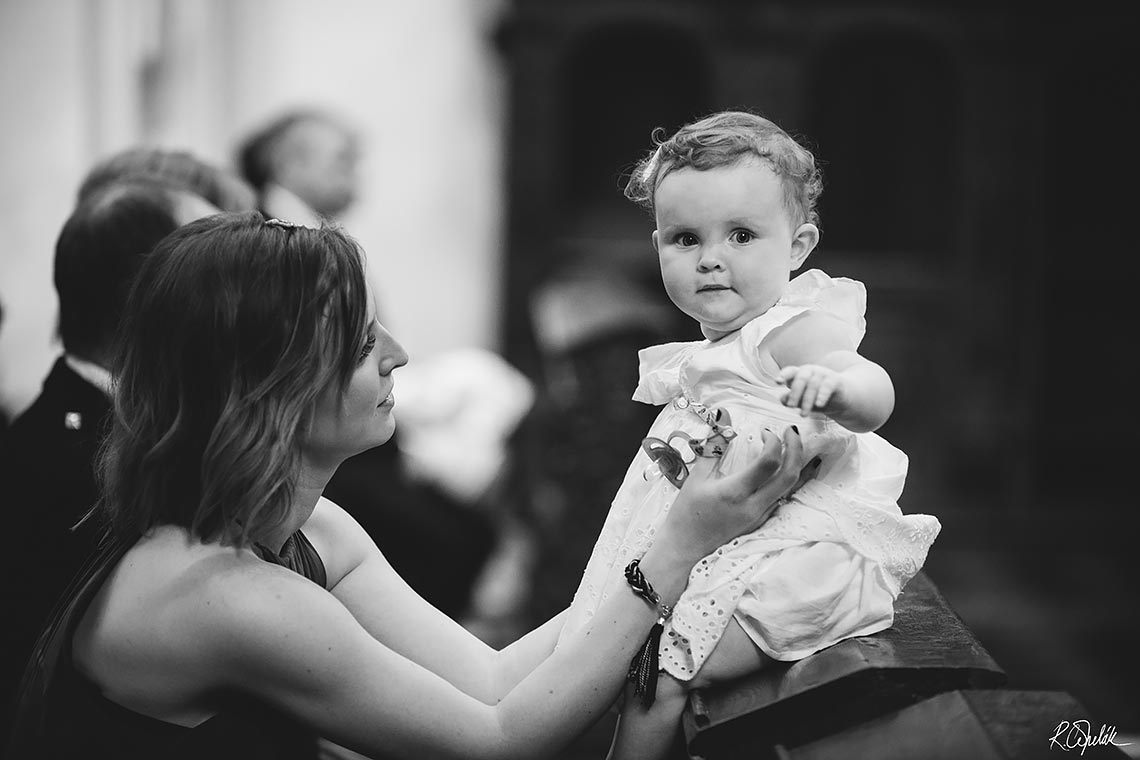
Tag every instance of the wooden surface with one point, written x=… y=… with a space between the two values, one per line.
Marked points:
x=928 y=651
x=991 y=724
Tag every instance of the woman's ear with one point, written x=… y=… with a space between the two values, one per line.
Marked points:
x=804 y=241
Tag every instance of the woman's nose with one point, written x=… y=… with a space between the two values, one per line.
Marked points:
x=392 y=354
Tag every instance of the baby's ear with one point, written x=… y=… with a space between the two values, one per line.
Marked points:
x=653 y=237
x=804 y=241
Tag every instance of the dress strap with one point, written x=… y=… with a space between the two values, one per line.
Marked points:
x=298 y=555
x=51 y=648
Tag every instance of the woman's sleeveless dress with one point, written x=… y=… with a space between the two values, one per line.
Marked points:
x=829 y=562
x=62 y=714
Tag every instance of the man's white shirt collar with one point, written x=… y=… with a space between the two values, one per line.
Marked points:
x=91 y=372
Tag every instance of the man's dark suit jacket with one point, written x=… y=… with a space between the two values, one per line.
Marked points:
x=47 y=484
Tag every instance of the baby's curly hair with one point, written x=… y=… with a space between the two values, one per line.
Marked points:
x=722 y=139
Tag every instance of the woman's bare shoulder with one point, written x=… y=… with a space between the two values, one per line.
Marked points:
x=178 y=619
x=341 y=542
x=189 y=595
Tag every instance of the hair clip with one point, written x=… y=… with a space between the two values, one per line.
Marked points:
x=275 y=222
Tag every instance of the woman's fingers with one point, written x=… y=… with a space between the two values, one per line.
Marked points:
x=807 y=473
x=766 y=465
x=776 y=468
x=767 y=495
x=725 y=506
x=791 y=462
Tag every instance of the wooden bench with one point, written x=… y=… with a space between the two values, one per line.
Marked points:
x=990 y=724
x=922 y=680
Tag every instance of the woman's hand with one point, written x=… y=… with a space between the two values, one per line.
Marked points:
x=713 y=508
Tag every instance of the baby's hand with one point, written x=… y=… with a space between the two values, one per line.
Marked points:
x=813 y=388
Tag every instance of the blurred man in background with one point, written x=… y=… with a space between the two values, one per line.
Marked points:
x=435 y=524
x=176 y=169
x=303 y=165
x=47 y=458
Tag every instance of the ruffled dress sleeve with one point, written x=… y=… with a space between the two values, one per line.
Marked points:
x=813 y=290
x=659 y=371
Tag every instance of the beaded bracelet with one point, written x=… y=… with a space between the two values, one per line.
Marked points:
x=644 y=666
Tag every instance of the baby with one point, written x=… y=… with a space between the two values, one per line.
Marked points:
x=734 y=200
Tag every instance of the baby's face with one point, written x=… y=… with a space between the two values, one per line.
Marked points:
x=725 y=243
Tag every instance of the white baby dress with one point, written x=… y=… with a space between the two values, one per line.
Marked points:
x=829 y=562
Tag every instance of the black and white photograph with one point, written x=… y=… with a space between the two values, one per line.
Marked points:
x=568 y=379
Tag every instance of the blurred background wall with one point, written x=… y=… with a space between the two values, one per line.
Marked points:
x=978 y=168
x=80 y=79
x=979 y=175
x=966 y=156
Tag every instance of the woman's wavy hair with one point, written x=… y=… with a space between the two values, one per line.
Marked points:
x=723 y=139
x=233 y=328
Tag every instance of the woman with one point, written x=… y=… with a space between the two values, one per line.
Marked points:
x=237 y=613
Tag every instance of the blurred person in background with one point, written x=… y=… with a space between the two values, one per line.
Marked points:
x=178 y=169
x=303 y=165
x=449 y=458
x=47 y=457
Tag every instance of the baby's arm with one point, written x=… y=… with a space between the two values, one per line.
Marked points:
x=824 y=373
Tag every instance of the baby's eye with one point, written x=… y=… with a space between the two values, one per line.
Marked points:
x=367 y=349
x=742 y=237
x=685 y=239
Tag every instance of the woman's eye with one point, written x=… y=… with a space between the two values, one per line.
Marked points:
x=368 y=346
x=741 y=237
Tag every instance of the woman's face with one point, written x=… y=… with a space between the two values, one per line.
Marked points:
x=361 y=418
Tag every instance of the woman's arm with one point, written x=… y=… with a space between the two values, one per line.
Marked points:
x=302 y=649
x=388 y=608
